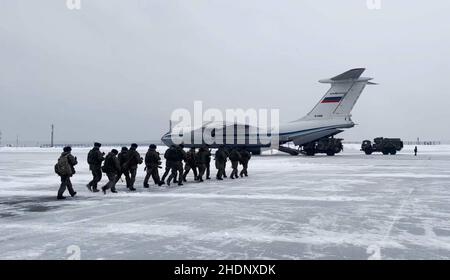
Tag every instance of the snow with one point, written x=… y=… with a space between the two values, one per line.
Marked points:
x=351 y=206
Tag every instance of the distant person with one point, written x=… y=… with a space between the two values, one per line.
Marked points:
x=152 y=163
x=112 y=168
x=134 y=159
x=123 y=159
x=234 y=157
x=221 y=160
x=415 y=151
x=190 y=164
x=95 y=159
x=65 y=169
x=245 y=158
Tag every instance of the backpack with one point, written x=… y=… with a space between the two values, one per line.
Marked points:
x=166 y=154
x=90 y=157
x=190 y=157
x=62 y=167
x=107 y=164
x=171 y=155
x=220 y=155
x=148 y=158
x=125 y=166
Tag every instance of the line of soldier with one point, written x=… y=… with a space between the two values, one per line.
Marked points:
x=126 y=163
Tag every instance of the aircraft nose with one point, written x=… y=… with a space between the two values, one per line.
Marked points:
x=167 y=139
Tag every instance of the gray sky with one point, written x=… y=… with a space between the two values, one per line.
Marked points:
x=115 y=70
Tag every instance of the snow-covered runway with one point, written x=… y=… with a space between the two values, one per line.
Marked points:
x=350 y=206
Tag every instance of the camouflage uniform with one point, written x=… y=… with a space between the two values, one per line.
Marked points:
x=245 y=158
x=203 y=157
x=65 y=179
x=235 y=157
x=123 y=159
x=190 y=163
x=134 y=159
x=169 y=165
x=221 y=161
x=111 y=168
x=176 y=156
x=95 y=159
x=152 y=162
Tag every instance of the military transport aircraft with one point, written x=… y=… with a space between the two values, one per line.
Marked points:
x=328 y=118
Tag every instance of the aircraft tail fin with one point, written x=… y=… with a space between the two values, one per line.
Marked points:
x=340 y=99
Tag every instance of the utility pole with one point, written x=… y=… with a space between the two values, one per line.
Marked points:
x=51 y=141
x=17 y=141
x=0 y=138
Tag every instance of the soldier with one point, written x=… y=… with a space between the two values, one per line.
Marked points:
x=415 y=151
x=95 y=159
x=112 y=168
x=208 y=163
x=152 y=163
x=202 y=159
x=235 y=157
x=190 y=164
x=221 y=161
x=65 y=169
x=245 y=158
x=178 y=156
x=123 y=158
x=134 y=158
x=169 y=164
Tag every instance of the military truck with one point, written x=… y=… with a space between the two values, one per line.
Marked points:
x=383 y=145
x=329 y=146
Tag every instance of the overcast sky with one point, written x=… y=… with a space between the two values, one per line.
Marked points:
x=115 y=70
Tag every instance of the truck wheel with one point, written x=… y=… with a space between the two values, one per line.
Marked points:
x=393 y=152
x=330 y=153
x=385 y=152
x=310 y=153
x=368 y=152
